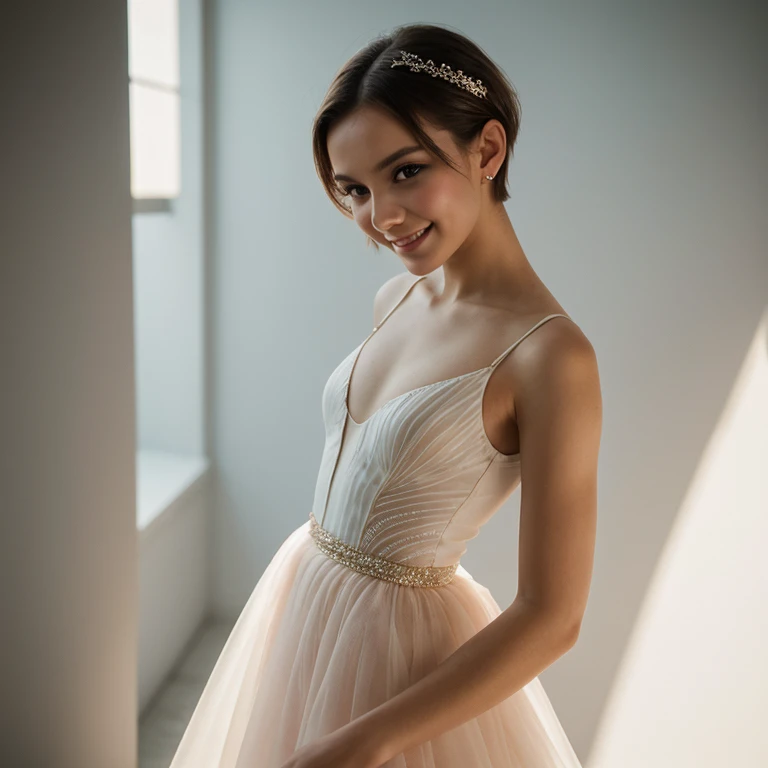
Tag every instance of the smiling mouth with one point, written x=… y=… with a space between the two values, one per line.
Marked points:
x=403 y=241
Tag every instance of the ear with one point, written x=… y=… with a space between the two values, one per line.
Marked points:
x=492 y=146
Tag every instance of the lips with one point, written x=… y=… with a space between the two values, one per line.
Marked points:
x=405 y=240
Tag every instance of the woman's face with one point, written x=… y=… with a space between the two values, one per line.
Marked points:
x=412 y=191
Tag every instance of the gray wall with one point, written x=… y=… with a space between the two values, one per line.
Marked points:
x=638 y=192
x=67 y=414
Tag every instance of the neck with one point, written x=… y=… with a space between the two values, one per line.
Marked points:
x=491 y=261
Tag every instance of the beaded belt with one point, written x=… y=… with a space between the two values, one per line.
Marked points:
x=379 y=567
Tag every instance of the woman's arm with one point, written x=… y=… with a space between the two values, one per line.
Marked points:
x=558 y=409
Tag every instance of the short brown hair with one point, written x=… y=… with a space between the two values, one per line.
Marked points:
x=368 y=79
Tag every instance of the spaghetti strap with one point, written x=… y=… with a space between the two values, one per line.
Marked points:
x=397 y=304
x=528 y=332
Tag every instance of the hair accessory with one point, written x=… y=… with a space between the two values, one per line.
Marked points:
x=415 y=64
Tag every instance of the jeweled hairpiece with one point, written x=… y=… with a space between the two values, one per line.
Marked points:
x=415 y=64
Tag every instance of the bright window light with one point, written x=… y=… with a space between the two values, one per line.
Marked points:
x=153 y=66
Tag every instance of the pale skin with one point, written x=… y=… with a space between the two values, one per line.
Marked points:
x=543 y=400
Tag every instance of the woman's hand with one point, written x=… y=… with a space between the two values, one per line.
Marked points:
x=347 y=747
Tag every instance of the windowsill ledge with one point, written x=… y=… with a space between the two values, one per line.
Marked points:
x=162 y=479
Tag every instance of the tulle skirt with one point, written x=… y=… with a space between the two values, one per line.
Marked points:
x=319 y=644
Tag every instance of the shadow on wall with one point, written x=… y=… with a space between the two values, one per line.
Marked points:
x=693 y=684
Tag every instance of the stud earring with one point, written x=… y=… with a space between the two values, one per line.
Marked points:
x=490 y=178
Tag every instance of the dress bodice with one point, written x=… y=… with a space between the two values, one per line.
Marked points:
x=418 y=478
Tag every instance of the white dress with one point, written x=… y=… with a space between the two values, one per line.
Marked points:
x=368 y=596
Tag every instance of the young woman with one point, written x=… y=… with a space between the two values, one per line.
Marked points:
x=365 y=643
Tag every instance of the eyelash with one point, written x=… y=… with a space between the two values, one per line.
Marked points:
x=419 y=166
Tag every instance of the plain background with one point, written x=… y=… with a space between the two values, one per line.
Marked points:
x=639 y=195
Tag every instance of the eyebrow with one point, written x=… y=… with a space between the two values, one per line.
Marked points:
x=380 y=166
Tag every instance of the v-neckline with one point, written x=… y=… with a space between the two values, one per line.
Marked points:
x=356 y=354
x=394 y=399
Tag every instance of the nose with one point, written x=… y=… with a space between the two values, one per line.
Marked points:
x=386 y=214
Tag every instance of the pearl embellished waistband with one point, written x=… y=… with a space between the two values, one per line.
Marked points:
x=379 y=567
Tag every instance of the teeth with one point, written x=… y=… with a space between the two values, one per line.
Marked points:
x=411 y=238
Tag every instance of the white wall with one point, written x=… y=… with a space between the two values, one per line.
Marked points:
x=638 y=193
x=68 y=565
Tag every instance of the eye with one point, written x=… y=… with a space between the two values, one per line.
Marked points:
x=411 y=170
x=410 y=166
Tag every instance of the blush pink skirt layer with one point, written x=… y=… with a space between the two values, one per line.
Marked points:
x=319 y=644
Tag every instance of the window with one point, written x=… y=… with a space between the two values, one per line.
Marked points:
x=153 y=67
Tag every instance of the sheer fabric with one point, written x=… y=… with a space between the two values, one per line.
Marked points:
x=320 y=643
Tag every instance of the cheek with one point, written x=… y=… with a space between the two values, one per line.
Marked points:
x=446 y=202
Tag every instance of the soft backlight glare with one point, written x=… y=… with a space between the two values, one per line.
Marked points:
x=692 y=689
x=153 y=41
x=155 y=129
x=155 y=162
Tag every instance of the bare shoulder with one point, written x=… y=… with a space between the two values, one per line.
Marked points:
x=389 y=293
x=557 y=345
x=557 y=363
